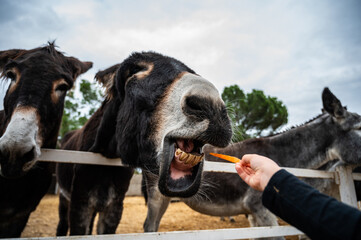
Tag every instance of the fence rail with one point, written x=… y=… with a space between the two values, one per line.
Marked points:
x=230 y=233
x=343 y=176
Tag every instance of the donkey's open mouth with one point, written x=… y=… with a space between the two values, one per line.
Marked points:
x=186 y=156
x=181 y=168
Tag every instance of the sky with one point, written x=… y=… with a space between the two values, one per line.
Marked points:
x=288 y=49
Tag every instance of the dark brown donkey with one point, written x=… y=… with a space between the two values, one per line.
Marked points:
x=155 y=105
x=33 y=107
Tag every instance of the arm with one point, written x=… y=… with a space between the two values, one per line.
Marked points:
x=317 y=215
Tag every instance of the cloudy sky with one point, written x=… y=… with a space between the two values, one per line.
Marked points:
x=288 y=49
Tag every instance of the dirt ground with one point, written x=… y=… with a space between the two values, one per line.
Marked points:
x=178 y=217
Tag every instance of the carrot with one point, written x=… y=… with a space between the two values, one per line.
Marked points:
x=226 y=157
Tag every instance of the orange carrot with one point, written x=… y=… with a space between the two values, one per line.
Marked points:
x=226 y=157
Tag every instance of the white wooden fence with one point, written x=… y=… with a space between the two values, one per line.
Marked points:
x=343 y=176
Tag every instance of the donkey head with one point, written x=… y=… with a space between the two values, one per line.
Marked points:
x=347 y=146
x=33 y=104
x=161 y=110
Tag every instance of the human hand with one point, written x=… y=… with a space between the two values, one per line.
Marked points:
x=256 y=170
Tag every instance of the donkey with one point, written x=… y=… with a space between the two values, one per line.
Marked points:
x=335 y=134
x=156 y=107
x=33 y=107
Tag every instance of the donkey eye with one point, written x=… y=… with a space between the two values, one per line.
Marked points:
x=11 y=75
x=62 y=88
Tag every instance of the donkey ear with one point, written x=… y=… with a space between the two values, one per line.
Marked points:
x=78 y=67
x=6 y=56
x=127 y=70
x=332 y=105
x=106 y=130
x=107 y=75
x=106 y=78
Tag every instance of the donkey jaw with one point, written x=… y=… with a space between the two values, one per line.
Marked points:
x=20 y=144
x=180 y=177
x=18 y=164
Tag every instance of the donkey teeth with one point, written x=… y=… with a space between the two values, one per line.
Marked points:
x=188 y=158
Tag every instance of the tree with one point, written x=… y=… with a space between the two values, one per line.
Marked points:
x=253 y=113
x=76 y=111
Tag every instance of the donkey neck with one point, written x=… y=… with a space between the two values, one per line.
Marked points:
x=306 y=146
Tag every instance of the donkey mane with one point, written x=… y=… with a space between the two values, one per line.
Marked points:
x=296 y=126
x=50 y=48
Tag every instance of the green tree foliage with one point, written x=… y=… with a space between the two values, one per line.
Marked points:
x=77 y=110
x=253 y=113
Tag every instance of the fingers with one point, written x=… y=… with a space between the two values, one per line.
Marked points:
x=247 y=158
x=250 y=159
x=247 y=174
x=244 y=168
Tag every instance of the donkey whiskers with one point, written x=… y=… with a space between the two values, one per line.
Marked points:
x=205 y=190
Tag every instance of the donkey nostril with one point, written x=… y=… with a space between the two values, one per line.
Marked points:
x=197 y=107
x=29 y=156
x=194 y=103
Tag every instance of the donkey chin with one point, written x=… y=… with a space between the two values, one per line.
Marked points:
x=17 y=164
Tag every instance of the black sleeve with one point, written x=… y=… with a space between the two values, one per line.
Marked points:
x=317 y=215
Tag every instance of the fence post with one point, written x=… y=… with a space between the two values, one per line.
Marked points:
x=346 y=185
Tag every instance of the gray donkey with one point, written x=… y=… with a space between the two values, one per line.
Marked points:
x=335 y=134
